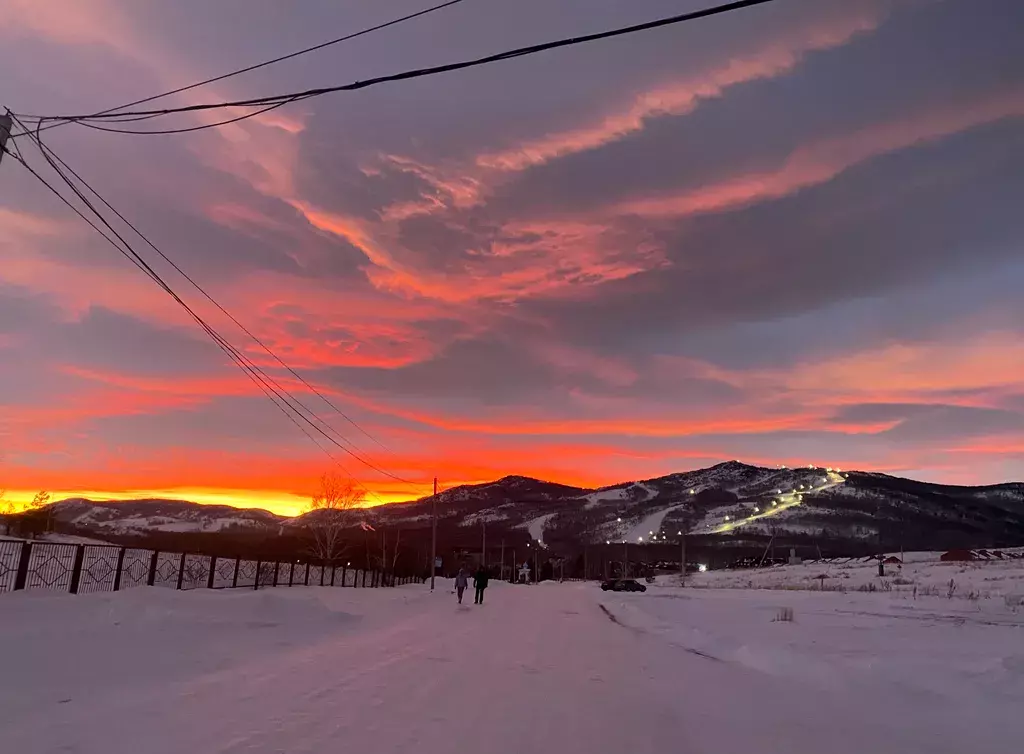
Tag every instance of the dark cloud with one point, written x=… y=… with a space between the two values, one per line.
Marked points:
x=825 y=244
x=922 y=422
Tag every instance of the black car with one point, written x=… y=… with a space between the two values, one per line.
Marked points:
x=623 y=585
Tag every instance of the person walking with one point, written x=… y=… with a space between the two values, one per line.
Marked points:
x=461 y=582
x=480 y=583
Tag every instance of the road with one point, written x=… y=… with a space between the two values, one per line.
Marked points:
x=536 y=669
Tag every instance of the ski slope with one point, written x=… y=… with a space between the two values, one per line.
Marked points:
x=562 y=668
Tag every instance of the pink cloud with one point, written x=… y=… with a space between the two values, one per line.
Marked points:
x=822 y=161
x=680 y=97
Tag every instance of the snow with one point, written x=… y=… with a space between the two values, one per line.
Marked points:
x=562 y=668
x=536 y=526
x=650 y=523
x=70 y=539
x=484 y=517
x=930 y=676
x=596 y=499
x=978 y=581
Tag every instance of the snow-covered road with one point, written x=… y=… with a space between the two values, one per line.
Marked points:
x=315 y=671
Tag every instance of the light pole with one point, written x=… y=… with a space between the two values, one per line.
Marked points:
x=682 y=558
x=433 y=536
x=625 y=554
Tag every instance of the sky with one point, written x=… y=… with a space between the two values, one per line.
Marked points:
x=785 y=235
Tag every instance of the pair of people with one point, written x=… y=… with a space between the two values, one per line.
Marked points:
x=480 y=580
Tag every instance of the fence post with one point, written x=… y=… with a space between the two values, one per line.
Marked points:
x=322 y=573
x=234 y=579
x=181 y=570
x=333 y=567
x=259 y=567
x=213 y=569
x=291 y=573
x=364 y=578
x=21 y=577
x=151 y=576
x=277 y=565
x=76 y=568
x=306 y=582
x=120 y=565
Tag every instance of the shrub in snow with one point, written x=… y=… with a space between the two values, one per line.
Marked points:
x=783 y=615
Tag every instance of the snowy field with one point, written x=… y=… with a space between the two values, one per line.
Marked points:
x=921 y=574
x=562 y=668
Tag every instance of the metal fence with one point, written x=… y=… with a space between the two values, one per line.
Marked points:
x=107 y=568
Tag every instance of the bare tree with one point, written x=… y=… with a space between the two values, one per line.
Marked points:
x=41 y=500
x=6 y=509
x=326 y=519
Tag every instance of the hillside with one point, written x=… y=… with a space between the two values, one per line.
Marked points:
x=732 y=505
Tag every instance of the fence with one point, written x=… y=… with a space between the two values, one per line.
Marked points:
x=108 y=568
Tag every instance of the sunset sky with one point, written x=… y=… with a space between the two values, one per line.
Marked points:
x=788 y=234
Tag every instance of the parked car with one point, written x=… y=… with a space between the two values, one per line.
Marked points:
x=623 y=585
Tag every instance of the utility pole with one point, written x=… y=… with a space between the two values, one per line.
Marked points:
x=625 y=559
x=433 y=536
x=5 y=131
x=501 y=575
x=483 y=546
x=682 y=557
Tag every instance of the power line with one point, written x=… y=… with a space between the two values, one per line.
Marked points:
x=274 y=391
x=434 y=70
x=192 y=128
x=217 y=304
x=265 y=63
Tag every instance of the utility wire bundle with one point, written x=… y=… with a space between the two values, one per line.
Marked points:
x=300 y=414
x=260 y=105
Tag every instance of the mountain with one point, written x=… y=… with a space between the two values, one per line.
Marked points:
x=731 y=505
x=140 y=516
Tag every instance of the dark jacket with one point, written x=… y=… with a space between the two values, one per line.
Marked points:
x=480 y=579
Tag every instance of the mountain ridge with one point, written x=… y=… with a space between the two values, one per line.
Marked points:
x=724 y=504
